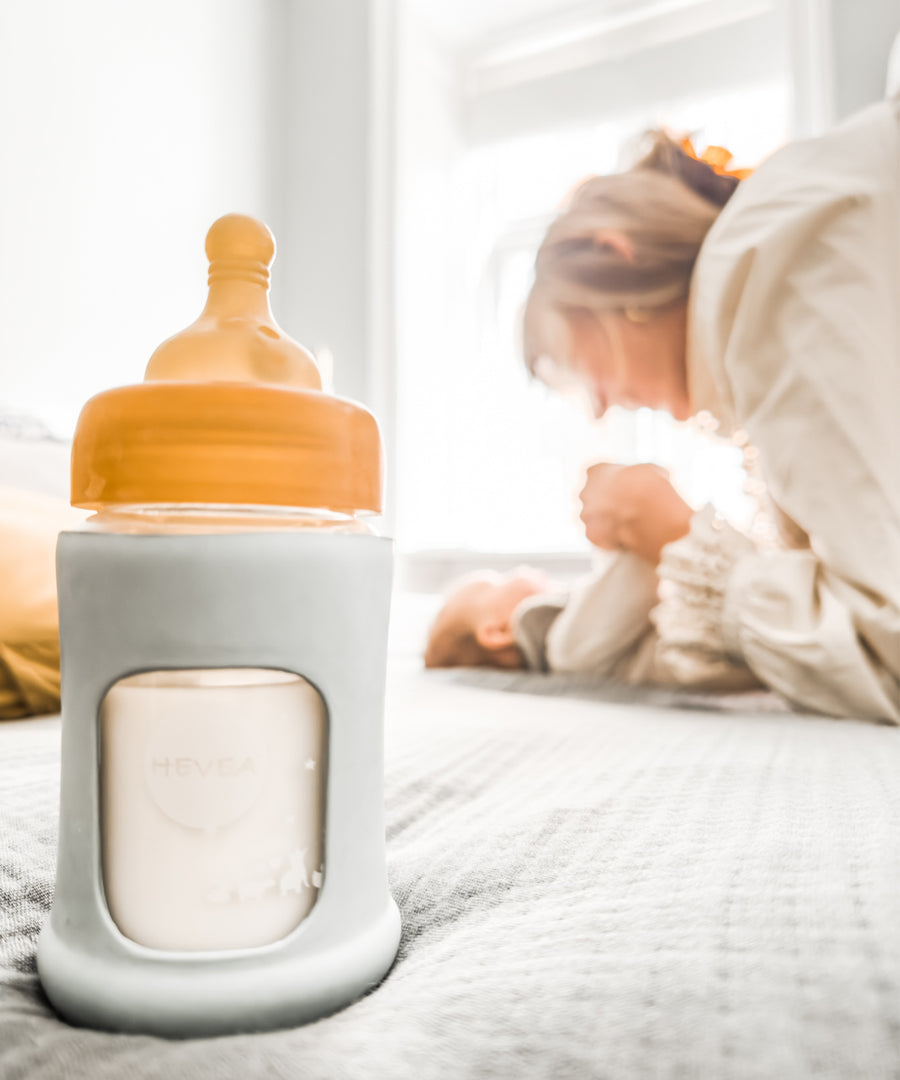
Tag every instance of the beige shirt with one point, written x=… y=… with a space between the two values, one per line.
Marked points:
x=794 y=337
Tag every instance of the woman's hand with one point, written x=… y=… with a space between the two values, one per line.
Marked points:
x=633 y=508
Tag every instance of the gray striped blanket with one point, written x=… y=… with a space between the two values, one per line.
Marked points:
x=589 y=889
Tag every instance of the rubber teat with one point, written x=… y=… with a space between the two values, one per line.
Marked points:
x=231 y=412
x=236 y=339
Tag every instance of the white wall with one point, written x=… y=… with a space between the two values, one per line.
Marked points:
x=325 y=227
x=839 y=57
x=431 y=277
x=335 y=212
x=863 y=32
x=128 y=128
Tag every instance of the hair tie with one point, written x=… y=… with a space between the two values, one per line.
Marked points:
x=717 y=158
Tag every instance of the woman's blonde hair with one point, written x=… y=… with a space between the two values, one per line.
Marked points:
x=664 y=205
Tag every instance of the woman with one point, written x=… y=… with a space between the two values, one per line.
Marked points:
x=772 y=303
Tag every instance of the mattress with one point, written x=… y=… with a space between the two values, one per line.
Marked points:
x=589 y=888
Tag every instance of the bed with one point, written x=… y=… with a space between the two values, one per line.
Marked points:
x=595 y=882
x=591 y=885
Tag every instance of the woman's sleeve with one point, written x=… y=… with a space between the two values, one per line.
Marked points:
x=798 y=628
x=813 y=362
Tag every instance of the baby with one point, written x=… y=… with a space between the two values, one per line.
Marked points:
x=601 y=627
x=474 y=628
x=522 y=620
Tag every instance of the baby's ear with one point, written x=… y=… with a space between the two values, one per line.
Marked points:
x=618 y=241
x=494 y=636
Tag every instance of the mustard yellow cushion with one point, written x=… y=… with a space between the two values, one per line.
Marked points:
x=29 y=629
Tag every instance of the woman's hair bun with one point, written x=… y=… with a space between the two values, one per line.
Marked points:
x=667 y=156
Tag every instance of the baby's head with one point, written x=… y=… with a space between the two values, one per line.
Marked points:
x=474 y=627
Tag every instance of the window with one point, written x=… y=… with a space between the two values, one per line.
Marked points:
x=488 y=460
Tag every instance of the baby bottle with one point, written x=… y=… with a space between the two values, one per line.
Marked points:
x=223 y=623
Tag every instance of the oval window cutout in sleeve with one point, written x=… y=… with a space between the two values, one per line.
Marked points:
x=212 y=800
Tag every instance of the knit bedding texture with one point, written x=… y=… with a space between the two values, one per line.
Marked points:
x=624 y=887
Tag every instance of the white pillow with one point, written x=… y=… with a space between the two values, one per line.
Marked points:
x=40 y=465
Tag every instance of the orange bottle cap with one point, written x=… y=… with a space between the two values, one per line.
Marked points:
x=231 y=411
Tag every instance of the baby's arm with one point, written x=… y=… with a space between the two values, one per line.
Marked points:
x=606 y=620
x=605 y=630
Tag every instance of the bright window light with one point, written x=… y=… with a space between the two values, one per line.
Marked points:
x=489 y=460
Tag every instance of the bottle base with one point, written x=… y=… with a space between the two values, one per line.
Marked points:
x=190 y=995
